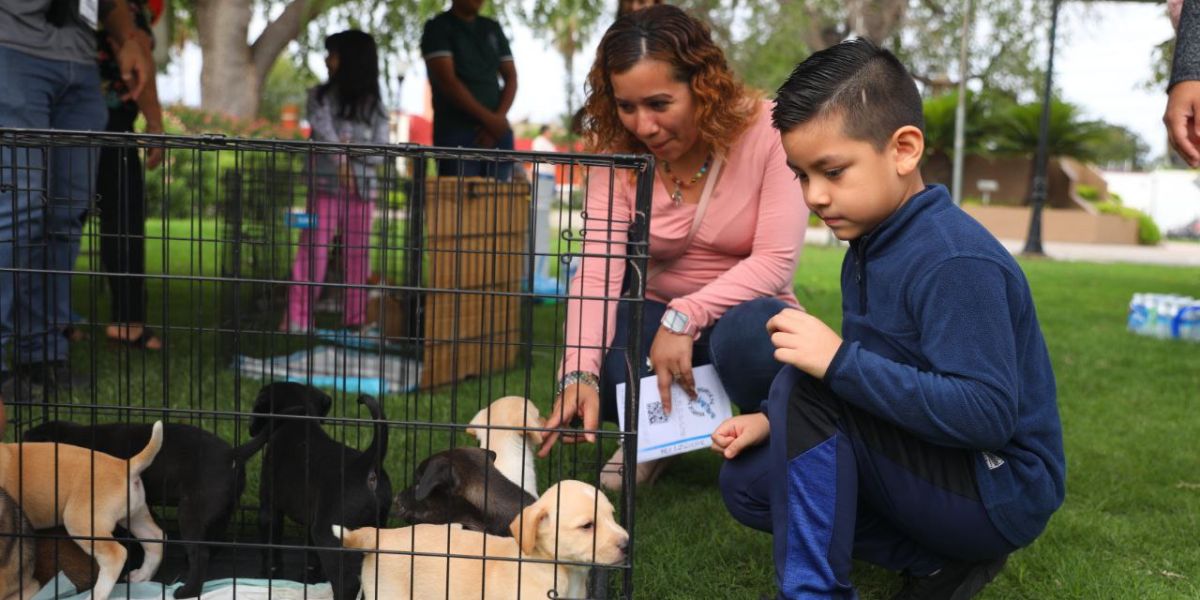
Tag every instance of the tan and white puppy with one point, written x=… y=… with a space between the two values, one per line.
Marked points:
x=89 y=493
x=572 y=522
x=513 y=447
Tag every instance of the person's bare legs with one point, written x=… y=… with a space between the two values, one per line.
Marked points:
x=131 y=333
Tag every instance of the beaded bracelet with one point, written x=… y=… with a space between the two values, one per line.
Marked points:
x=583 y=377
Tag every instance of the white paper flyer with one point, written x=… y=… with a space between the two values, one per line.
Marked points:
x=691 y=422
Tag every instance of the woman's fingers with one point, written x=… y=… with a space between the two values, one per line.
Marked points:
x=664 y=388
x=687 y=381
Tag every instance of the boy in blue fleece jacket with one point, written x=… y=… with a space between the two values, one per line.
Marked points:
x=925 y=438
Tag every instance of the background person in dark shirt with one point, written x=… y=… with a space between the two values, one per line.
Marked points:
x=466 y=56
x=120 y=188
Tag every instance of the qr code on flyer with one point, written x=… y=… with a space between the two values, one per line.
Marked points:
x=657 y=415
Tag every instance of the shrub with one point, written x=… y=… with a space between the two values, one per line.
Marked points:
x=195 y=183
x=1087 y=192
x=1148 y=233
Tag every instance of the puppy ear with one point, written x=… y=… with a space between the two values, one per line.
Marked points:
x=438 y=472
x=480 y=418
x=262 y=406
x=320 y=401
x=535 y=435
x=525 y=527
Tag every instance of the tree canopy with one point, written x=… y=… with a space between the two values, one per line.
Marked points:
x=763 y=39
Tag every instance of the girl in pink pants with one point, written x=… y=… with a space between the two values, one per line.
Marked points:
x=346 y=109
x=351 y=215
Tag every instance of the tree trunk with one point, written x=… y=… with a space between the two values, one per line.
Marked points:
x=876 y=20
x=233 y=71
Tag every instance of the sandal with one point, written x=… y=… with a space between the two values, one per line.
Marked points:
x=74 y=334
x=141 y=342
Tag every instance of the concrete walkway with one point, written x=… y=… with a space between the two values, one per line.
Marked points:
x=1179 y=254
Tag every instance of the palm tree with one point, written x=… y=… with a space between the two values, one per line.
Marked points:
x=1070 y=134
x=981 y=123
x=570 y=23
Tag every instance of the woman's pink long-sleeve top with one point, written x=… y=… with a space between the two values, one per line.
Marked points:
x=747 y=246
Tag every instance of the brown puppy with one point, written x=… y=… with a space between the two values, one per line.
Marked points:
x=16 y=552
x=462 y=485
x=89 y=493
x=570 y=522
x=57 y=553
x=513 y=447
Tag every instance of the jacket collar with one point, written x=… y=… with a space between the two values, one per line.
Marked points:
x=891 y=227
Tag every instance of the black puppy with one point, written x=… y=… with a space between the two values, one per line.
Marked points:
x=318 y=482
x=462 y=485
x=196 y=471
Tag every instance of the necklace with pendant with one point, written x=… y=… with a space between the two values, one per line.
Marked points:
x=680 y=185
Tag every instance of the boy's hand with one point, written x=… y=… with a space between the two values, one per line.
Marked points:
x=803 y=341
x=740 y=432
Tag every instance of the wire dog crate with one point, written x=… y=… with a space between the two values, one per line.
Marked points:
x=333 y=392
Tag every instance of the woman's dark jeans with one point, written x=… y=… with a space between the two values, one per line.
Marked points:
x=737 y=345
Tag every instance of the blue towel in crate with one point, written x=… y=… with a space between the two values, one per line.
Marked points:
x=346 y=369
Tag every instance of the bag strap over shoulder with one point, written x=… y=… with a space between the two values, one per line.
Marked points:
x=705 y=195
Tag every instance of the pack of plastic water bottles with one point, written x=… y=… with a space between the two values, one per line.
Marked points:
x=1166 y=316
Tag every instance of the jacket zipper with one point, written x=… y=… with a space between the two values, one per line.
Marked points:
x=860 y=275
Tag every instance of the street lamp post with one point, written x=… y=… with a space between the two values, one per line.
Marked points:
x=960 y=110
x=1037 y=196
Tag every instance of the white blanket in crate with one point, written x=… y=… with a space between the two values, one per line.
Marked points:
x=221 y=589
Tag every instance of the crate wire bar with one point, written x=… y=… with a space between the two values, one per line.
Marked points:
x=453 y=318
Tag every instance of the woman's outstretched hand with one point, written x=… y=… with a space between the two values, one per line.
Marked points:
x=577 y=400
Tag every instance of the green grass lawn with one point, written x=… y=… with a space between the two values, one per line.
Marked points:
x=1128 y=528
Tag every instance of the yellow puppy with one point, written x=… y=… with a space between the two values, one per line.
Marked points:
x=89 y=493
x=570 y=522
x=513 y=447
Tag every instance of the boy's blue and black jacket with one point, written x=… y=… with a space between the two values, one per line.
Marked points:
x=941 y=338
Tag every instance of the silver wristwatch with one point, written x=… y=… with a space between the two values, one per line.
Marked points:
x=677 y=322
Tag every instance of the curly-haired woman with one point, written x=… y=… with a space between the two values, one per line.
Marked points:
x=726 y=227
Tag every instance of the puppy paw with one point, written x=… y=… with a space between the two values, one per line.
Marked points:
x=188 y=590
x=140 y=575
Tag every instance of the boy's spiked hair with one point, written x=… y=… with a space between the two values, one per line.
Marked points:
x=864 y=83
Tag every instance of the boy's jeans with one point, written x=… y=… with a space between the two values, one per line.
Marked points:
x=837 y=483
x=44 y=193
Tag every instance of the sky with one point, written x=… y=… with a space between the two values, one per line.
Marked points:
x=1102 y=62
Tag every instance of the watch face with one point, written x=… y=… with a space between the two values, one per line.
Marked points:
x=675 y=321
